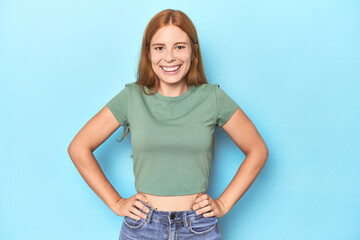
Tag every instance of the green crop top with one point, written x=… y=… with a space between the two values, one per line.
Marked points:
x=171 y=137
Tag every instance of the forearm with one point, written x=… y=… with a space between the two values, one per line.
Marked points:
x=244 y=177
x=90 y=170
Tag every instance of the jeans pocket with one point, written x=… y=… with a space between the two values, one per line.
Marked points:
x=203 y=224
x=134 y=224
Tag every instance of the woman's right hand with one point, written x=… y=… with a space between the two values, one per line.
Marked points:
x=129 y=207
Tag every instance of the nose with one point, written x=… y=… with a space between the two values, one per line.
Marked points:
x=169 y=56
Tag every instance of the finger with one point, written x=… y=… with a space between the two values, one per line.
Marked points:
x=202 y=197
x=137 y=212
x=209 y=214
x=133 y=216
x=141 y=197
x=203 y=210
x=141 y=206
x=202 y=204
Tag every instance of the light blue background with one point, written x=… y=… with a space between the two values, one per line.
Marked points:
x=292 y=66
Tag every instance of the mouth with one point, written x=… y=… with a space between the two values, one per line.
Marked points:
x=172 y=69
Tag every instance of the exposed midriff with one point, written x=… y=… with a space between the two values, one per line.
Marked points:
x=171 y=203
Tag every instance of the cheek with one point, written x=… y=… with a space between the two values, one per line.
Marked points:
x=155 y=60
x=185 y=56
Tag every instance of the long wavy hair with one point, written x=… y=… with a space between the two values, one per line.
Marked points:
x=146 y=75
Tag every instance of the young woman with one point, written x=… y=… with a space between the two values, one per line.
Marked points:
x=172 y=112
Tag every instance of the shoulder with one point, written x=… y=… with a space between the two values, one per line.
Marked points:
x=207 y=86
x=131 y=85
x=211 y=86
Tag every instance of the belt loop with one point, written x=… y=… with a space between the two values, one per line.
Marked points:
x=185 y=220
x=151 y=209
x=148 y=218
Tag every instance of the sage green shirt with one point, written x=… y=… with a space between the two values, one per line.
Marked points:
x=171 y=137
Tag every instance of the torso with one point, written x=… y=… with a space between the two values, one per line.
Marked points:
x=171 y=203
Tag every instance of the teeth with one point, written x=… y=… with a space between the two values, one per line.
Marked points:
x=171 y=69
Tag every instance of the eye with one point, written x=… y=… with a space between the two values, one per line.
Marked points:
x=181 y=46
x=157 y=48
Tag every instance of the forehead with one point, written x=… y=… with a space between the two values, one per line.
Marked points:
x=169 y=34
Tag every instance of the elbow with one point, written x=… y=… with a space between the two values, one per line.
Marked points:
x=262 y=153
x=75 y=153
x=266 y=154
x=72 y=146
x=71 y=149
x=76 y=149
x=76 y=145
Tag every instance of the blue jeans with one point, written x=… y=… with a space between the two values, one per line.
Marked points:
x=169 y=225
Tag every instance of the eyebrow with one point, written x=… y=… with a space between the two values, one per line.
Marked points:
x=164 y=44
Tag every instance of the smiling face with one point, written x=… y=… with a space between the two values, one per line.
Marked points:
x=170 y=54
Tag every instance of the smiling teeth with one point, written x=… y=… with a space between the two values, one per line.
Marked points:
x=171 y=69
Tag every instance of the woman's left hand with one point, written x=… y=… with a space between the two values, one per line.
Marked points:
x=209 y=207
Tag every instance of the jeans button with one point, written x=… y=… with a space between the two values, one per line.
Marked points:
x=172 y=216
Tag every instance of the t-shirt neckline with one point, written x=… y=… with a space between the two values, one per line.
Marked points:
x=176 y=98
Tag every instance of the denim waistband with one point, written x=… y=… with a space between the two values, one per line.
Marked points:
x=170 y=216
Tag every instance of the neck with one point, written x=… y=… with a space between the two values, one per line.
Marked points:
x=173 y=90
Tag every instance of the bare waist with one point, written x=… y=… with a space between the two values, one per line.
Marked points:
x=171 y=203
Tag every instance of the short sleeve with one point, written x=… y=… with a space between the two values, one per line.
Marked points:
x=225 y=106
x=118 y=105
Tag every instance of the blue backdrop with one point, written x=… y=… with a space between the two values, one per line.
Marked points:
x=292 y=66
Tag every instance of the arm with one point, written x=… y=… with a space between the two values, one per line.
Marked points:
x=81 y=148
x=243 y=132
